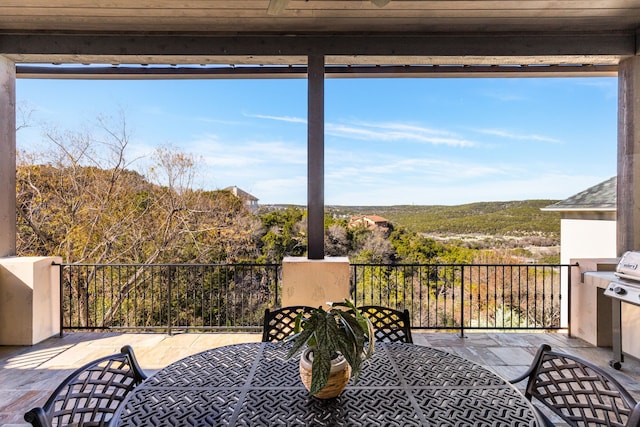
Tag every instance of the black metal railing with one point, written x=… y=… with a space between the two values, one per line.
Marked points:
x=172 y=297
x=167 y=297
x=466 y=296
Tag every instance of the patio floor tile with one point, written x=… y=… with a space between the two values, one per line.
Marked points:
x=29 y=374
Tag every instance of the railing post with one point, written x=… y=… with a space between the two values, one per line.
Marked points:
x=462 y=301
x=277 y=275
x=352 y=283
x=569 y=268
x=61 y=291
x=85 y=299
x=169 y=295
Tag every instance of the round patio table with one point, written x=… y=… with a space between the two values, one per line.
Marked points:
x=254 y=385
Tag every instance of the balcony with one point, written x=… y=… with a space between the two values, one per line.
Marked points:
x=29 y=374
x=496 y=315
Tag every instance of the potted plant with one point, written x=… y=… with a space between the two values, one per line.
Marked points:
x=338 y=341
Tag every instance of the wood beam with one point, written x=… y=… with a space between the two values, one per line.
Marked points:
x=315 y=158
x=628 y=184
x=77 y=47
x=8 y=230
x=266 y=72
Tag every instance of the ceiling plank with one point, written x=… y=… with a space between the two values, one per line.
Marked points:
x=380 y=3
x=294 y=16
x=132 y=12
x=328 y=4
x=313 y=25
x=276 y=7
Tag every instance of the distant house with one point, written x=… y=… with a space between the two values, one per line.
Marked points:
x=250 y=201
x=369 y=221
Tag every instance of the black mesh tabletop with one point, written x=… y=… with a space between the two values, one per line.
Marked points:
x=253 y=385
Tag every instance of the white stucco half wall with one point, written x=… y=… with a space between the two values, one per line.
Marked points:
x=584 y=238
x=314 y=282
x=29 y=299
x=587 y=238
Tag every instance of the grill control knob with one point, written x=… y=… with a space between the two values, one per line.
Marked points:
x=619 y=290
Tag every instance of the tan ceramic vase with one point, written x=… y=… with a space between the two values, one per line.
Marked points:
x=338 y=378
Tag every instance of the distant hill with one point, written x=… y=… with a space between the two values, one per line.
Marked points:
x=513 y=218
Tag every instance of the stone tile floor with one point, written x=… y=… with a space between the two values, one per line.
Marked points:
x=29 y=374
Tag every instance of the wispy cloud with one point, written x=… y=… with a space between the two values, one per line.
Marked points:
x=281 y=190
x=256 y=167
x=514 y=136
x=404 y=127
x=429 y=190
x=282 y=152
x=237 y=161
x=218 y=121
x=611 y=83
x=608 y=86
x=504 y=96
x=170 y=116
x=397 y=132
x=383 y=132
x=381 y=170
x=288 y=119
x=248 y=156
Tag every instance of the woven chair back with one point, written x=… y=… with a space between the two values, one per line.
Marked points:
x=279 y=323
x=90 y=395
x=579 y=392
x=390 y=325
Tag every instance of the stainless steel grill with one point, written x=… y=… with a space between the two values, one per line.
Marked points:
x=627 y=285
x=625 y=288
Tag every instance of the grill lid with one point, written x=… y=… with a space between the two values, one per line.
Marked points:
x=629 y=266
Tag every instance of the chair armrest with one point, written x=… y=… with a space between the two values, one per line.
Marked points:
x=543 y=418
x=634 y=419
x=37 y=418
x=137 y=370
x=534 y=364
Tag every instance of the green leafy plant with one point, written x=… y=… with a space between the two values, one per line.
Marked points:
x=341 y=330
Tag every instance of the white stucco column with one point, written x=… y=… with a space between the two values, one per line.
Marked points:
x=628 y=191
x=29 y=299
x=314 y=282
x=7 y=157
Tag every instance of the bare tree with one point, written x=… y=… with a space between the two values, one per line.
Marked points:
x=79 y=199
x=336 y=241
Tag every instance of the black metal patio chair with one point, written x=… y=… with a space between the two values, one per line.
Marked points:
x=579 y=392
x=91 y=394
x=390 y=325
x=279 y=323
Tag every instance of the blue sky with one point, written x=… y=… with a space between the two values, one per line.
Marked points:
x=387 y=141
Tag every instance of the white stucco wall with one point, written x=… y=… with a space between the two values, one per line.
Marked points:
x=584 y=238
x=314 y=282
x=29 y=299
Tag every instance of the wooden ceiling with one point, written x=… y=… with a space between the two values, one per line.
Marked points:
x=346 y=32
x=319 y=16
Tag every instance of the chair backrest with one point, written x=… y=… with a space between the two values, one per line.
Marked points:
x=91 y=394
x=578 y=391
x=279 y=323
x=390 y=325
